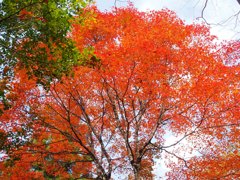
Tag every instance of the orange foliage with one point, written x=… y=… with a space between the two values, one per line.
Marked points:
x=156 y=76
x=24 y=14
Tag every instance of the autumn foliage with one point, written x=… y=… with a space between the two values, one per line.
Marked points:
x=156 y=76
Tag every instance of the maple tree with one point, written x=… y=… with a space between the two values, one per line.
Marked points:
x=156 y=76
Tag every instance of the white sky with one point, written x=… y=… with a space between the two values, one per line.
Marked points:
x=217 y=11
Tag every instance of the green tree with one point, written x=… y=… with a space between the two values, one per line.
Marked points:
x=34 y=36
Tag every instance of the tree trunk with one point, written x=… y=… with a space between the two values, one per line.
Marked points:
x=136 y=171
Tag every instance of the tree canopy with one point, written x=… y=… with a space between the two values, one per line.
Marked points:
x=156 y=76
x=34 y=36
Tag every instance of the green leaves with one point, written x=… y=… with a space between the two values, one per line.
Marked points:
x=33 y=35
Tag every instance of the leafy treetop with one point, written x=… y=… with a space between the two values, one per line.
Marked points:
x=156 y=76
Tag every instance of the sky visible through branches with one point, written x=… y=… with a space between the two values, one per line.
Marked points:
x=221 y=15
